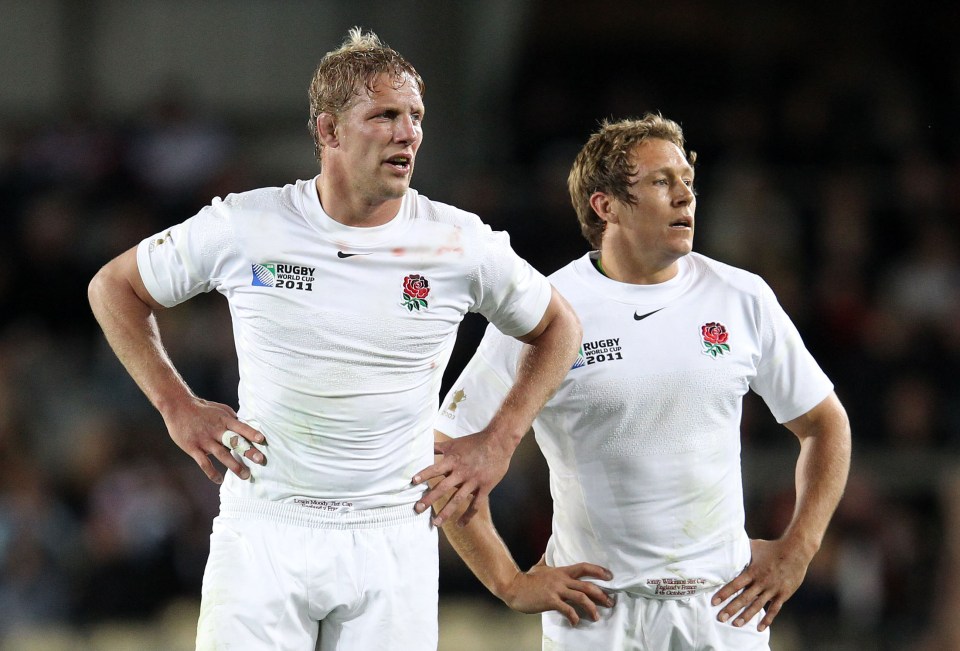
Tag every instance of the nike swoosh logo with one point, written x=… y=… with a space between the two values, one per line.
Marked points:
x=341 y=254
x=641 y=317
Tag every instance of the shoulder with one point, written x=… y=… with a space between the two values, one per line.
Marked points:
x=260 y=199
x=568 y=275
x=254 y=210
x=428 y=210
x=733 y=278
x=460 y=231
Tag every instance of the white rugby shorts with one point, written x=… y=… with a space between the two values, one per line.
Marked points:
x=287 y=577
x=641 y=623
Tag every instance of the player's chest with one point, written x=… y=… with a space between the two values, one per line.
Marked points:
x=696 y=339
x=376 y=282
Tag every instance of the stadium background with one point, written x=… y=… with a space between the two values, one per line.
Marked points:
x=828 y=142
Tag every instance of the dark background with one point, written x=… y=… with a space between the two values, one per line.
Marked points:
x=828 y=163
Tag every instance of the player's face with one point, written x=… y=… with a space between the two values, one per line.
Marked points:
x=379 y=135
x=660 y=224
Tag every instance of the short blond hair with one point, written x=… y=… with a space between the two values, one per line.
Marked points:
x=603 y=165
x=343 y=73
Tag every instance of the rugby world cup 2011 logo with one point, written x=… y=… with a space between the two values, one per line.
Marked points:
x=283 y=275
x=714 y=339
x=265 y=275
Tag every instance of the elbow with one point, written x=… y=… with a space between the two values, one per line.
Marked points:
x=568 y=319
x=575 y=330
x=842 y=425
x=96 y=288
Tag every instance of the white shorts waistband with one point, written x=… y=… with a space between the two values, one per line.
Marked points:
x=673 y=588
x=310 y=516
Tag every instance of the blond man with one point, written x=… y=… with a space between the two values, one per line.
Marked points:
x=345 y=291
x=643 y=436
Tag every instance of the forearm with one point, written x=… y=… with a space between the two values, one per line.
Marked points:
x=821 y=475
x=130 y=327
x=543 y=364
x=483 y=551
x=777 y=567
x=125 y=310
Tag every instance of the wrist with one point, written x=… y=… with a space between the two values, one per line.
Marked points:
x=172 y=402
x=508 y=589
x=804 y=544
x=505 y=439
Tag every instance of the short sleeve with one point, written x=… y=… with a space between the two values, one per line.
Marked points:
x=513 y=295
x=479 y=391
x=788 y=377
x=186 y=259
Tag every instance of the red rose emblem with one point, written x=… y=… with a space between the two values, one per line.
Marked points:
x=416 y=286
x=714 y=338
x=415 y=291
x=714 y=333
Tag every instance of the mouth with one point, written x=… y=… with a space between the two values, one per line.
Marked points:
x=682 y=223
x=401 y=163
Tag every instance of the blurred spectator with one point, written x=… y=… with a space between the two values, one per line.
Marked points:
x=174 y=150
x=39 y=549
x=79 y=152
x=133 y=516
x=943 y=629
x=50 y=264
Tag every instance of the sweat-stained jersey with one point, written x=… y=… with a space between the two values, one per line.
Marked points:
x=342 y=333
x=643 y=436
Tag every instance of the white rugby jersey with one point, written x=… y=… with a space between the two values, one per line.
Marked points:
x=643 y=436
x=342 y=333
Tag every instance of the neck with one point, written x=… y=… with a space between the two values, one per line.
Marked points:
x=349 y=208
x=634 y=269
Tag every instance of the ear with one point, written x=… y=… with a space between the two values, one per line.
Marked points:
x=604 y=205
x=327 y=130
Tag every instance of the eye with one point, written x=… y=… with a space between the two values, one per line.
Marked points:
x=661 y=182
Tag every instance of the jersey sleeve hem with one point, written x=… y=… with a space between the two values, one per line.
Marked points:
x=149 y=278
x=539 y=307
x=787 y=416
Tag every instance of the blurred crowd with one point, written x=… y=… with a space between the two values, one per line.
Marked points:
x=100 y=518
x=832 y=171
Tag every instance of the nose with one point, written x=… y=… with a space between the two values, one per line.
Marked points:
x=406 y=130
x=684 y=194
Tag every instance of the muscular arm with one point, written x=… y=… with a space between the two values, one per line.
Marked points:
x=778 y=567
x=472 y=465
x=125 y=311
x=537 y=590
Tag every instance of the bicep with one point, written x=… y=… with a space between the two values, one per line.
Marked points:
x=129 y=271
x=557 y=308
x=827 y=417
x=119 y=277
